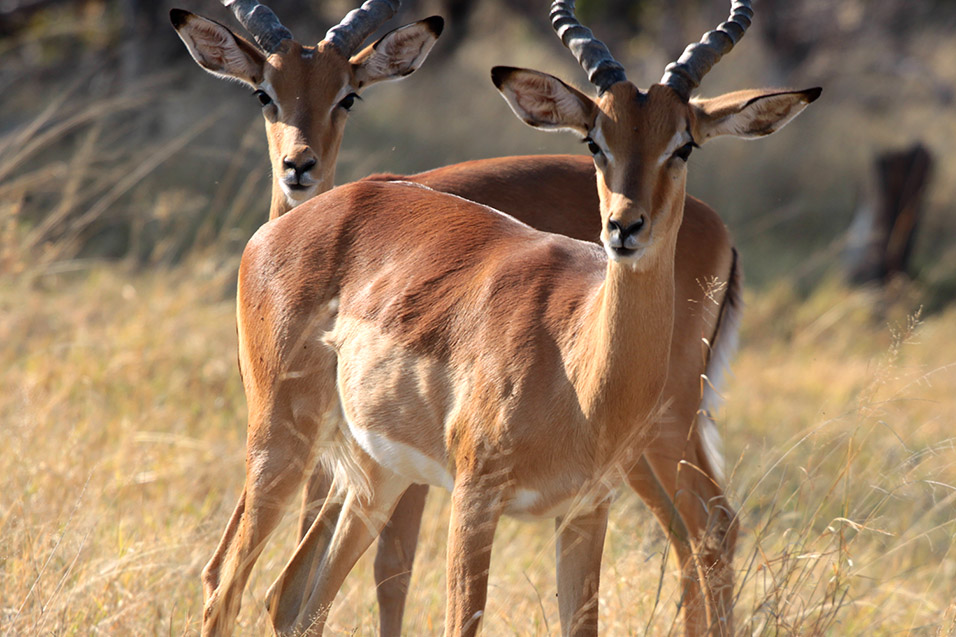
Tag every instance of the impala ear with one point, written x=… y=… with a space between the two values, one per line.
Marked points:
x=397 y=53
x=544 y=101
x=749 y=114
x=217 y=49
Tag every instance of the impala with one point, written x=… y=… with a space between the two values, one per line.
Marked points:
x=683 y=487
x=305 y=91
x=564 y=201
x=519 y=369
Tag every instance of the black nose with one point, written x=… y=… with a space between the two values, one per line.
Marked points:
x=299 y=169
x=613 y=227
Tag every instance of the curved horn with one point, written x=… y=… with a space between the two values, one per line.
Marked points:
x=349 y=34
x=685 y=74
x=260 y=21
x=592 y=54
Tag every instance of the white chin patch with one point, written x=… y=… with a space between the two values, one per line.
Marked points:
x=631 y=257
x=295 y=197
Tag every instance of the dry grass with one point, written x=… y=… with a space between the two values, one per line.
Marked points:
x=123 y=419
x=124 y=434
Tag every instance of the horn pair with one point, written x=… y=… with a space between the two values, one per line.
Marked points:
x=264 y=26
x=683 y=75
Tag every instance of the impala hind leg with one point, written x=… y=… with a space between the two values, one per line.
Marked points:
x=677 y=480
x=395 y=556
x=276 y=461
x=313 y=497
x=300 y=599
x=579 y=546
x=396 y=545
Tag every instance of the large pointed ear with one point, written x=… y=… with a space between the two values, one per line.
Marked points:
x=217 y=49
x=544 y=101
x=397 y=53
x=749 y=114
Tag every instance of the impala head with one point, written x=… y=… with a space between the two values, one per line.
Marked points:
x=641 y=140
x=305 y=91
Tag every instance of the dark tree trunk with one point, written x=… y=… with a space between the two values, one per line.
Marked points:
x=880 y=240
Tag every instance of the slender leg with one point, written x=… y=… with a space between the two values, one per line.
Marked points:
x=313 y=497
x=396 y=545
x=289 y=592
x=476 y=508
x=579 y=548
x=273 y=472
x=211 y=573
x=682 y=490
x=394 y=559
x=345 y=527
x=676 y=478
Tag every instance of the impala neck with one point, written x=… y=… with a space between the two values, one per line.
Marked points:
x=624 y=347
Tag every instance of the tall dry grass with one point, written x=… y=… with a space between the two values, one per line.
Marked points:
x=123 y=425
x=122 y=416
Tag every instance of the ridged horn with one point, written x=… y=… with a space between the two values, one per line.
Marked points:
x=260 y=21
x=347 y=36
x=685 y=74
x=592 y=54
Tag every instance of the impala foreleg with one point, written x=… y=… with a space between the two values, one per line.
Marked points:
x=580 y=542
x=475 y=511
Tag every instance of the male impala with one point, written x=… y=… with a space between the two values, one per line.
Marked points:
x=522 y=370
x=564 y=200
x=305 y=91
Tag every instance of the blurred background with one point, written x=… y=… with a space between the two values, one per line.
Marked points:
x=116 y=145
x=130 y=180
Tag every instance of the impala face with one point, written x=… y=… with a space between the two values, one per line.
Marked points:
x=305 y=92
x=640 y=142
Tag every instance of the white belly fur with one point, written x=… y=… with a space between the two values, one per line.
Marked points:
x=384 y=388
x=395 y=402
x=403 y=459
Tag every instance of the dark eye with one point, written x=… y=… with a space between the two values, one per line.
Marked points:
x=349 y=100
x=263 y=97
x=684 y=151
x=592 y=146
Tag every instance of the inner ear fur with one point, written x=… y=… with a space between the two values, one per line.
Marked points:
x=543 y=101
x=397 y=53
x=217 y=49
x=750 y=113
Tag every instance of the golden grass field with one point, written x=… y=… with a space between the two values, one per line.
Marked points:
x=122 y=418
x=123 y=456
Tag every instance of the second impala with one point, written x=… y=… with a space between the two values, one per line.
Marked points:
x=519 y=369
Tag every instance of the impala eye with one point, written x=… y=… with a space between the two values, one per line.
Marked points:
x=684 y=151
x=263 y=97
x=349 y=100
x=592 y=145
